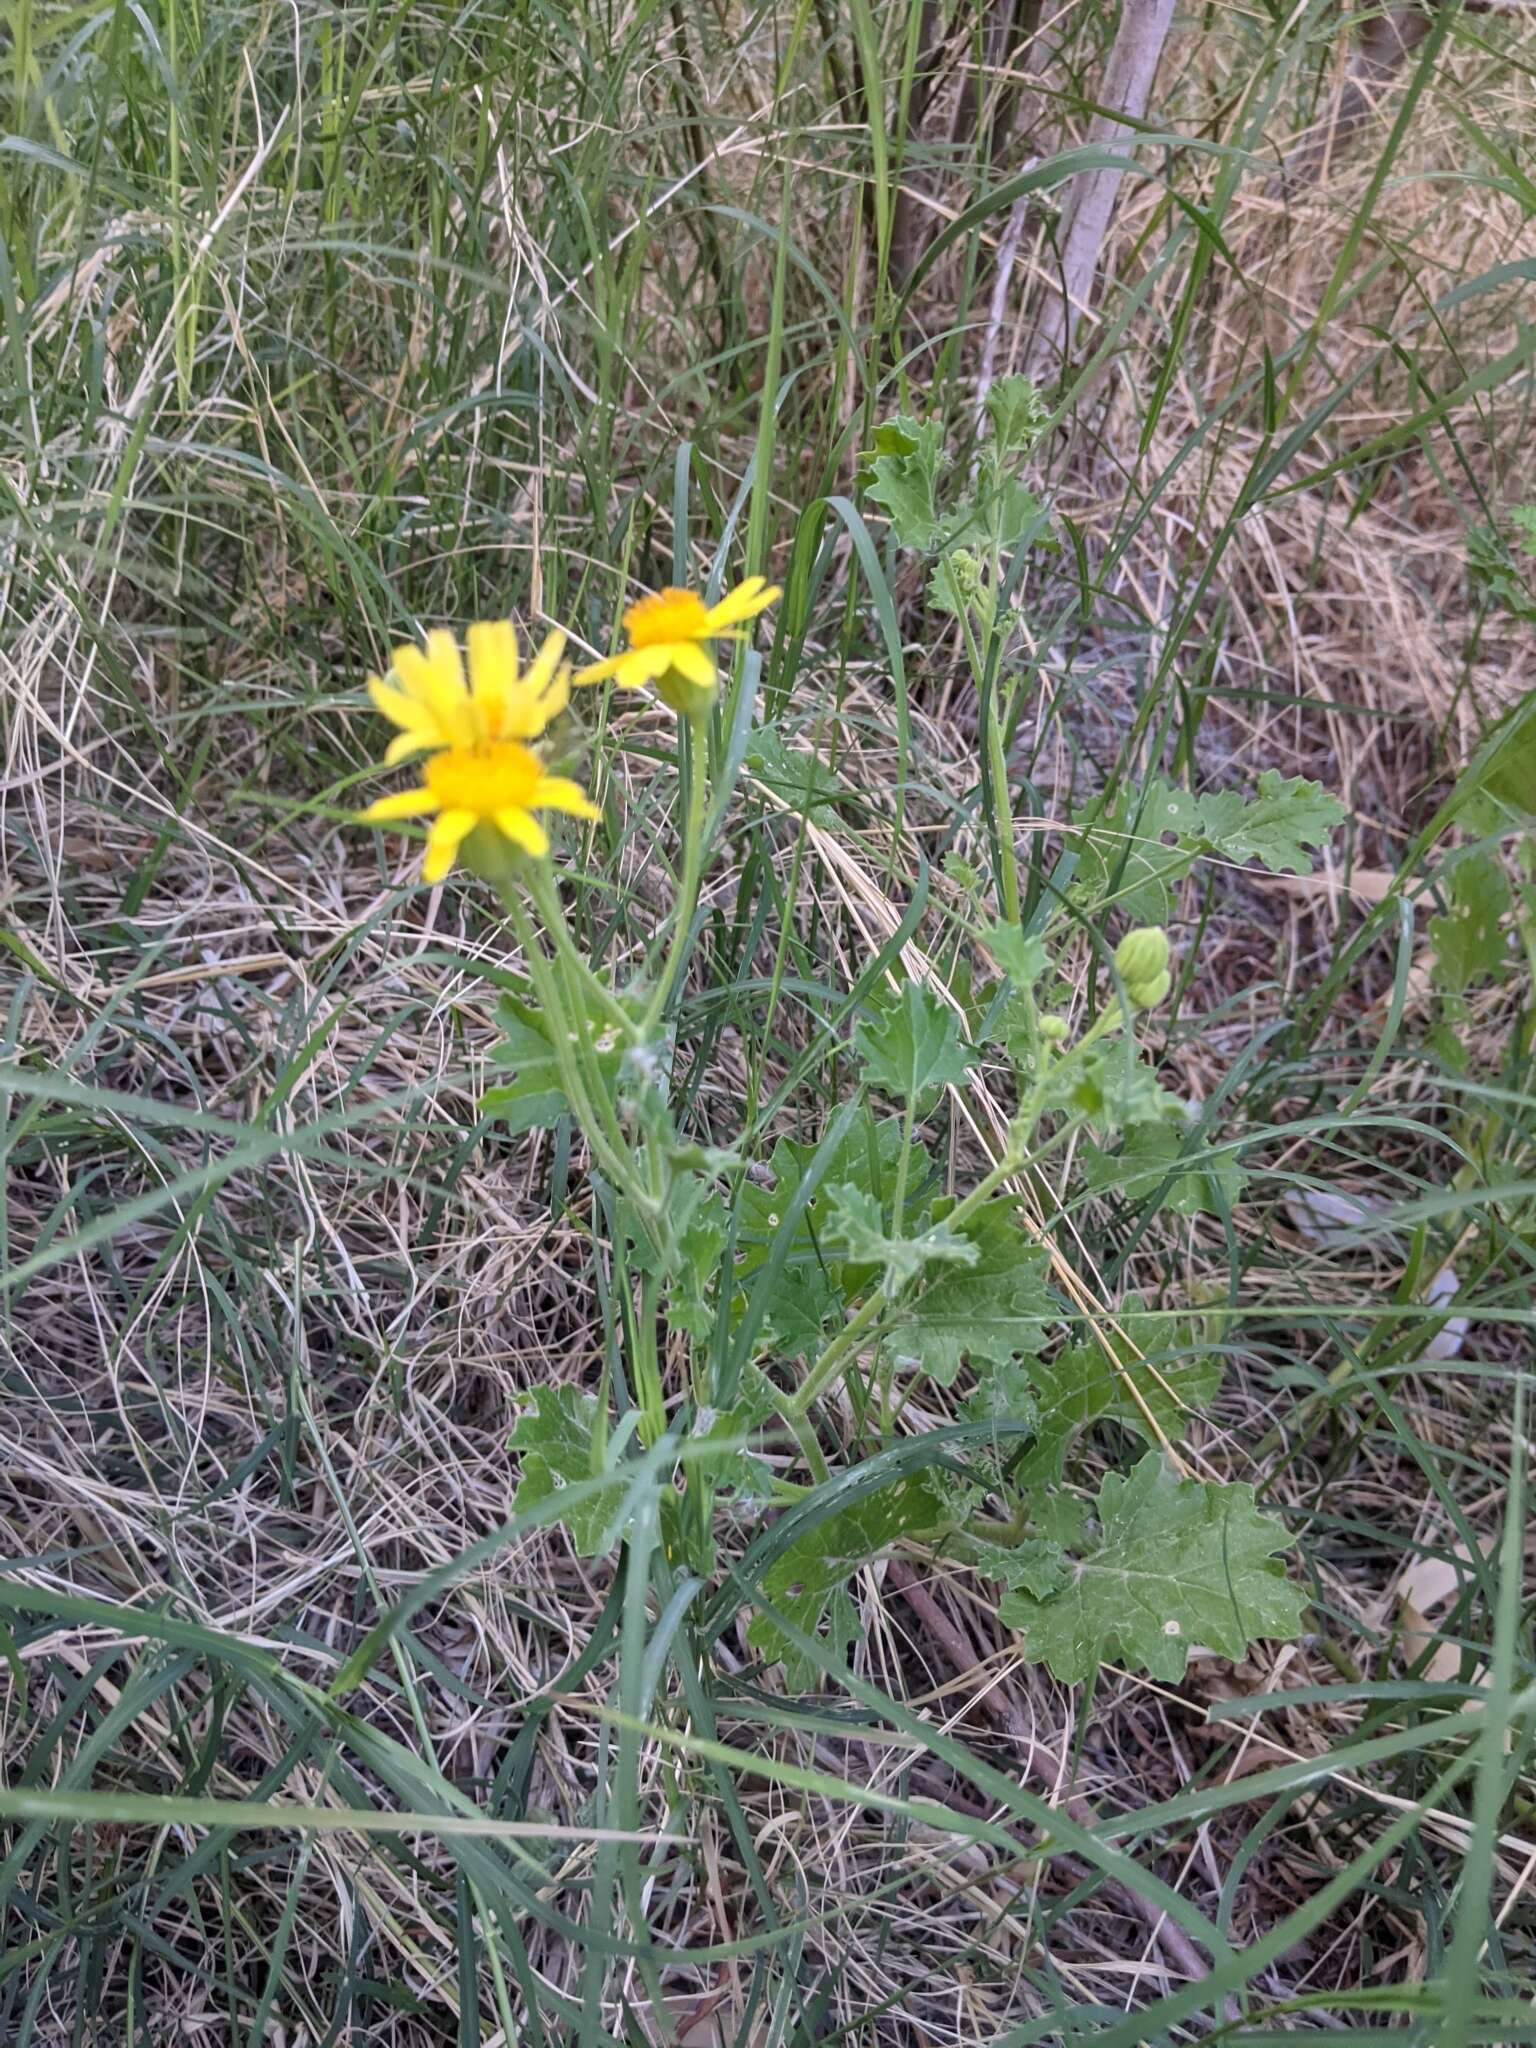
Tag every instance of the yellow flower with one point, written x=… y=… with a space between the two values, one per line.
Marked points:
x=481 y=772
x=669 y=641
x=430 y=704
x=497 y=783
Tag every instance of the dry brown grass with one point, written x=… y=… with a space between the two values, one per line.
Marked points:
x=388 y=1300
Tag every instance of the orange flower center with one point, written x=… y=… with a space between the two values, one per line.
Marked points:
x=499 y=775
x=666 y=616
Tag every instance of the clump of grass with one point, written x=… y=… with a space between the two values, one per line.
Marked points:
x=322 y=330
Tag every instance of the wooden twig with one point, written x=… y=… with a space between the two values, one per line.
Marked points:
x=1090 y=197
x=1007 y=256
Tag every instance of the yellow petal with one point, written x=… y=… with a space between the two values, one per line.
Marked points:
x=404 y=803
x=643 y=665
x=444 y=841
x=524 y=831
x=395 y=705
x=744 y=602
x=695 y=664
x=492 y=675
x=599 y=671
x=542 y=695
x=436 y=681
x=543 y=665
x=553 y=698
x=492 y=648
x=559 y=793
x=404 y=744
x=443 y=657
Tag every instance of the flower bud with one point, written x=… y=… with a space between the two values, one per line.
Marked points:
x=683 y=695
x=1054 y=1028
x=1146 y=995
x=1142 y=955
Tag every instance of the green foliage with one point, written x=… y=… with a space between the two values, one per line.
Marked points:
x=808 y=1584
x=1022 y=958
x=1018 y=412
x=971 y=526
x=1494 y=563
x=1173 y=1564
x=857 y=1225
x=1114 y=1088
x=911 y=1050
x=1003 y=514
x=1469 y=942
x=989 y=1311
x=808 y=1291
x=554 y=1441
x=903 y=471
x=735 y=1471
x=534 y=1098
x=1276 y=827
x=1151 y=1155
x=1004 y=1389
x=1036 y=1566
x=1499 y=787
x=1003 y=1393
x=1135 y=1378
x=700 y=1228
x=1123 y=858
x=326 y=324
x=959 y=586
x=797 y=777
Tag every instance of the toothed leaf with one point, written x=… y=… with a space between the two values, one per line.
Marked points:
x=553 y=1438
x=992 y=1311
x=857 y=1225
x=1175 y=1563
x=911 y=1049
x=809 y=1583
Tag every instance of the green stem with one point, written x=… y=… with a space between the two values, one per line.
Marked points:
x=693 y=869
x=899 y=1198
x=811 y=1450
x=608 y=1146
x=649 y=1392
x=826 y=1368
x=999 y=801
x=546 y=896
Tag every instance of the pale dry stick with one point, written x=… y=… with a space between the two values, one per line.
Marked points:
x=1515 y=1890
x=1040 y=1763
x=1090 y=200
x=1007 y=257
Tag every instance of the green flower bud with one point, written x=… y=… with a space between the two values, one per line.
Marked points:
x=1146 y=995
x=1142 y=955
x=1054 y=1028
x=683 y=695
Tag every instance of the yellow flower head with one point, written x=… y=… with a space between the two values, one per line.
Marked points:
x=430 y=703
x=481 y=771
x=669 y=641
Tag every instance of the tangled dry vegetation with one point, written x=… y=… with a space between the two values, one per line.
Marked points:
x=268 y=1397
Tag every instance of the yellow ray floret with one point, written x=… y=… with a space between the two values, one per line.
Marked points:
x=427 y=698
x=495 y=783
x=670 y=634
